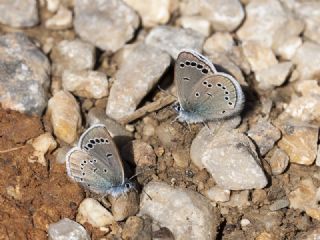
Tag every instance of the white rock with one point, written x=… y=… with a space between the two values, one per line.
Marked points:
x=89 y=84
x=218 y=194
x=67 y=229
x=278 y=161
x=19 y=13
x=74 y=55
x=137 y=75
x=173 y=40
x=258 y=55
x=152 y=12
x=91 y=211
x=273 y=76
x=307 y=59
x=218 y=42
x=263 y=19
x=224 y=15
x=107 y=24
x=196 y=23
x=230 y=158
x=65 y=117
x=53 y=5
x=190 y=7
x=288 y=48
x=61 y=20
x=193 y=216
x=244 y=222
x=42 y=144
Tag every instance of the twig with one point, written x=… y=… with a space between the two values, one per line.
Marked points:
x=151 y=107
x=12 y=149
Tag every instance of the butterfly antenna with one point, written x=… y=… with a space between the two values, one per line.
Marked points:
x=147 y=194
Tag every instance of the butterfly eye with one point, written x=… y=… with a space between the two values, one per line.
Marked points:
x=127 y=185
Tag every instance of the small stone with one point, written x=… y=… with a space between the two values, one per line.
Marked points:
x=67 y=229
x=181 y=158
x=20 y=13
x=61 y=20
x=307 y=59
x=64 y=113
x=263 y=18
x=190 y=7
x=313 y=234
x=193 y=217
x=299 y=141
x=278 y=161
x=288 y=48
x=124 y=205
x=137 y=228
x=306 y=198
x=53 y=5
x=218 y=194
x=264 y=236
x=245 y=222
x=239 y=200
x=138 y=74
x=274 y=76
x=91 y=211
x=224 y=15
x=196 y=23
x=88 y=84
x=230 y=158
x=117 y=20
x=258 y=55
x=24 y=72
x=264 y=134
x=218 y=42
x=279 y=204
x=139 y=153
x=73 y=55
x=173 y=40
x=152 y=12
x=61 y=154
x=259 y=196
x=42 y=144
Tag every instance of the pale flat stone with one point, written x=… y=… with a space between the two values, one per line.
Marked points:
x=61 y=20
x=53 y=5
x=288 y=48
x=67 y=229
x=218 y=42
x=218 y=194
x=190 y=7
x=196 y=23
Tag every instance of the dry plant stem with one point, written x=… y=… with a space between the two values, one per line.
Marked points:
x=151 y=107
x=11 y=149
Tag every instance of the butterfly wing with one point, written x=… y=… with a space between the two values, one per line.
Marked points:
x=189 y=68
x=85 y=169
x=216 y=96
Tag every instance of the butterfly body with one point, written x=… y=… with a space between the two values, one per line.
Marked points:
x=204 y=94
x=95 y=163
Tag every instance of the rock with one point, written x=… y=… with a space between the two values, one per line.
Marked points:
x=88 y=84
x=181 y=157
x=67 y=229
x=230 y=158
x=196 y=23
x=91 y=211
x=312 y=234
x=20 y=13
x=309 y=13
x=61 y=154
x=137 y=75
x=224 y=15
x=193 y=217
x=306 y=198
x=278 y=161
x=274 y=76
x=137 y=228
x=53 y=5
x=61 y=20
x=24 y=72
x=264 y=134
x=218 y=42
x=64 y=113
x=318 y=157
x=73 y=55
x=152 y=12
x=139 y=153
x=258 y=55
x=173 y=40
x=125 y=205
x=265 y=219
x=279 y=204
x=288 y=48
x=218 y=194
x=120 y=135
x=42 y=144
x=263 y=18
x=190 y=7
x=117 y=20
x=239 y=200
x=307 y=59
x=244 y=223
x=265 y=236
x=299 y=141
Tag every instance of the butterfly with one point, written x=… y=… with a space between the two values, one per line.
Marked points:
x=204 y=94
x=96 y=164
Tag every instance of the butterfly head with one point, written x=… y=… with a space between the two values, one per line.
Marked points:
x=127 y=186
x=186 y=116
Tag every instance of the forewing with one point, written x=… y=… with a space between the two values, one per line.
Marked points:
x=217 y=96
x=99 y=144
x=85 y=169
x=190 y=67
